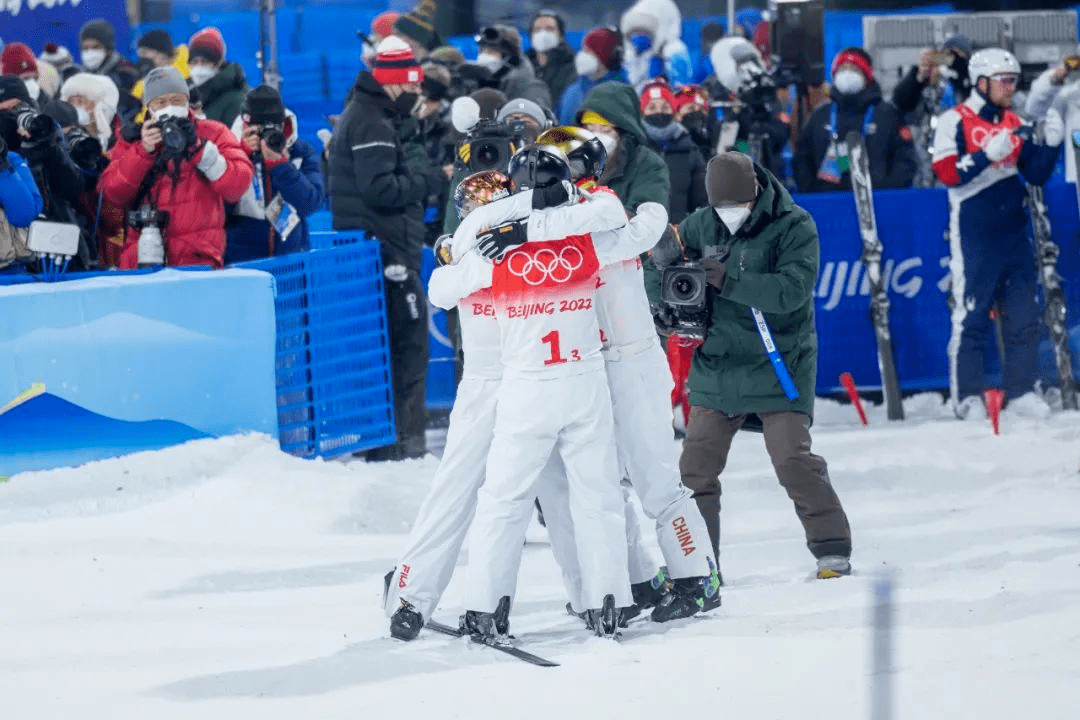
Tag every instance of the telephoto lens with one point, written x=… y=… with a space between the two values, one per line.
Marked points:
x=38 y=126
x=273 y=136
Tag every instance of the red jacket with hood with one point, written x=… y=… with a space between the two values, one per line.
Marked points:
x=195 y=201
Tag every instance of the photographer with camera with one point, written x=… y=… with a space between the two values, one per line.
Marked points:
x=755 y=263
x=173 y=174
x=944 y=71
x=20 y=203
x=857 y=104
x=380 y=183
x=270 y=219
x=37 y=138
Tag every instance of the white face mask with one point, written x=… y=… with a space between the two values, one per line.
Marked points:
x=849 y=82
x=201 y=73
x=84 y=117
x=544 y=40
x=178 y=111
x=733 y=217
x=609 y=142
x=490 y=61
x=93 y=59
x=33 y=88
x=586 y=64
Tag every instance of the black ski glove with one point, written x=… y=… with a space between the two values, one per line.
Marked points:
x=494 y=243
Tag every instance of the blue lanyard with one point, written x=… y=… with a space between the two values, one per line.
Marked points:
x=865 y=122
x=779 y=367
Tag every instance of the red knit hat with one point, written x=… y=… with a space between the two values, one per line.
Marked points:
x=657 y=89
x=18 y=59
x=395 y=63
x=383 y=24
x=207 y=44
x=690 y=95
x=603 y=42
x=857 y=57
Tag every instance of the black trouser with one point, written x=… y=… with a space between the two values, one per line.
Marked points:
x=803 y=474
x=407 y=316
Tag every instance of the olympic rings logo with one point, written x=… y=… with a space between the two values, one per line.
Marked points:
x=545 y=265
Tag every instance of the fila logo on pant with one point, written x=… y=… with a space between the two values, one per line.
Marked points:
x=403 y=579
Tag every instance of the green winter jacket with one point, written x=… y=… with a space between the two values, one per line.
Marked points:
x=773 y=266
x=223 y=94
x=640 y=175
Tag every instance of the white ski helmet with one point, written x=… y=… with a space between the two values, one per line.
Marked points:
x=990 y=62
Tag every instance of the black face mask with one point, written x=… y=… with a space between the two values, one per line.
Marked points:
x=659 y=120
x=405 y=103
x=694 y=121
x=145 y=65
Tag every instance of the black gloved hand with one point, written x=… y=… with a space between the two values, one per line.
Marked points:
x=494 y=243
x=553 y=195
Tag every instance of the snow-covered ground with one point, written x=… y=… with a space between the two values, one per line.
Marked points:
x=223 y=579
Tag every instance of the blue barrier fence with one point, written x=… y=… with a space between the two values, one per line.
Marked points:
x=332 y=363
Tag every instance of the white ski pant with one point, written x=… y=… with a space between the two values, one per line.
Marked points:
x=641 y=385
x=570 y=416
x=425 y=568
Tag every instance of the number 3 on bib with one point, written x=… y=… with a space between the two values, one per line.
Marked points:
x=552 y=339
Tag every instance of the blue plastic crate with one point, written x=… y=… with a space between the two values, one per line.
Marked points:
x=333 y=358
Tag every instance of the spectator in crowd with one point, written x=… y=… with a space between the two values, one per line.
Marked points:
x=693 y=110
x=382 y=26
x=18 y=60
x=981 y=158
x=20 y=203
x=417 y=28
x=271 y=217
x=652 y=30
x=511 y=72
x=42 y=145
x=1058 y=88
x=703 y=67
x=821 y=157
x=598 y=61
x=946 y=68
x=48 y=79
x=221 y=84
x=178 y=164
x=552 y=59
x=633 y=171
x=97 y=97
x=379 y=183
x=97 y=43
x=760 y=252
x=525 y=111
x=437 y=134
x=668 y=137
x=60 y=58
x=156 y=49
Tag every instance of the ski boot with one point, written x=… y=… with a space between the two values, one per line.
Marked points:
x=492 y=628
x=688 y=597
x=605 y=620
x=406 y=622
x=832 y=566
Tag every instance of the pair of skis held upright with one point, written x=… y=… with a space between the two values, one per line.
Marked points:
x=1055 y=314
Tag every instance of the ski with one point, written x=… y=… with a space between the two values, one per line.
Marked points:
x=508 y=649
x=863 y=191
x=1055 y=313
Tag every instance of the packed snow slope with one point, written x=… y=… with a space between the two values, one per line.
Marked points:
x=223 y=579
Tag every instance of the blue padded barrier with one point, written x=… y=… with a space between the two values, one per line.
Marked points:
x=332 y=358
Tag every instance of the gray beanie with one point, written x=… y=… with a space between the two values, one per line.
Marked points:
x=162 y=81
x=730 y=179
x=523 y=106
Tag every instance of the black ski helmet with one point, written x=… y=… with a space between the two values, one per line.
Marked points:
x=586 y=154
x=538 y=166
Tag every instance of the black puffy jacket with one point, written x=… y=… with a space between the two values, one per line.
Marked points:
x=687 y=169
x=378 y=182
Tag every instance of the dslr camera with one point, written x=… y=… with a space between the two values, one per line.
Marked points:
x=273 y=134
x=150 y=223
x=38 y=126
x=177 y=135
x=85 y=150
x=682 y=292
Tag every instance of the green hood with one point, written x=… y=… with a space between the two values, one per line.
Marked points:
x=618 y=103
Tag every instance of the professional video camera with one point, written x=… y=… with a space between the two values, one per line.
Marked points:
x=37 y=125
x=488 y=144
x=682 y=292
x=150 y=223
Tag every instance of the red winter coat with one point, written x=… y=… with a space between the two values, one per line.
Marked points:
x=195 y=234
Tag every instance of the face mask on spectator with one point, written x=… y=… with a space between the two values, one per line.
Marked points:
x=33 y=88
x=586 y=64
x=178 y=111
x=93 y=59
x=201 y=73
x=84 y=117
x=733 y=217
x=849 y=82
x=544 y=40
x=694 y=121
x=642 y=43
x=407 y=103
x=659 y=120
x=610 y=142
x=489 y=60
